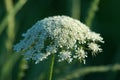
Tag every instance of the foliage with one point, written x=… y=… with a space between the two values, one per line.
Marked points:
x=16 y=16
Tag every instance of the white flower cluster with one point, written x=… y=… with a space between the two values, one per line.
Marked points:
x=60 y=35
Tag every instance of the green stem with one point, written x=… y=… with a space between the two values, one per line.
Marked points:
x=92 y=69
x=10 y=26
x=75 y=9
x=51 y=67
x=14 y=11
x=91 y=12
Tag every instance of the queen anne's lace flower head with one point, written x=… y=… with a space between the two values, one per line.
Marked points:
x=61 y=35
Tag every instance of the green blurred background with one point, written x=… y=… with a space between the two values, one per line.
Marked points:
x=16 y=16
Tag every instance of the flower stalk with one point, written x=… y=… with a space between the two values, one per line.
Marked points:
x=52 y=67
